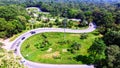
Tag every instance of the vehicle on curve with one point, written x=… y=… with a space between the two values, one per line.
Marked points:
x=32 y=32
x=23 y=38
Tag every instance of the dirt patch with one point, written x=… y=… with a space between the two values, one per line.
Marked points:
x=51 y=55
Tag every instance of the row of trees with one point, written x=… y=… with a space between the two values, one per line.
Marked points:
x=102 y=15
x=111 y=37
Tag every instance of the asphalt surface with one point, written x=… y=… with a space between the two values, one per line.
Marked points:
x=17 y=44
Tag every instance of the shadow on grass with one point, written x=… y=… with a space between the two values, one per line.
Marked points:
x=84 y=59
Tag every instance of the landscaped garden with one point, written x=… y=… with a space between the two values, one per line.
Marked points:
x=58 y=48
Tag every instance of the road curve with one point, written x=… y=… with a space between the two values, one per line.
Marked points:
x=17 y=44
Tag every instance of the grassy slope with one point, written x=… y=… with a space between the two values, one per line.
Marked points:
x=36 y=55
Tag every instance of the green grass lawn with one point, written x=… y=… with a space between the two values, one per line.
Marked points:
x=55 y=52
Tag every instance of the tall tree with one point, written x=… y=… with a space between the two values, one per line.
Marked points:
x=112 y=59
x=107 y=19
x=112 y=37
x=117 y=19
x=97 y=49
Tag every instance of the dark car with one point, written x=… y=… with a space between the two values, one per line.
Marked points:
x=15 y=50
x=23 y=38
x=22 y=61
x=32 y=32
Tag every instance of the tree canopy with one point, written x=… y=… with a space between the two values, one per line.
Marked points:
x=13 y=19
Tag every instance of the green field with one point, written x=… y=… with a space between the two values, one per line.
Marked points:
x=54 y=48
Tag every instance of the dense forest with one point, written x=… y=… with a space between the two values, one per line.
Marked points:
x=12 y=20
x=105 y=13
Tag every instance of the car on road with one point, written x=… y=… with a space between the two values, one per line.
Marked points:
x=23 y=38
x=32 y=32
x=15 y=50
x=22 y=61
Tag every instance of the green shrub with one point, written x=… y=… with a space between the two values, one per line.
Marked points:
x=84 y=36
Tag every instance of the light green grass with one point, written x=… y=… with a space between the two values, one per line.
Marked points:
x=36 y=55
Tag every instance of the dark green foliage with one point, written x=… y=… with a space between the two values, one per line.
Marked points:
x=112 y=58
x=57 y=22
x=83 y=36
x=27 y=46
x=8 y=12
x=117 y=19
x=37 y=45
x=117 y=63
x=112 y=37
x=103 y=18
x=112 y=53
x=42 y=45
x=88 y=15
x=70 y=24
x=71 y=50
x=74 y=47
x=83 y=23
x=84 y=59
x=12 y=20
x=108 y=19
x=97 y=49
x=44 y=36
x=50 y=24
x=64 y=42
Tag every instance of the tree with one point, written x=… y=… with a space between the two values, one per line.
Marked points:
x=10 y=29
x=88 y=15
x=81 y=16
x=108 y=19
x=72 y=13
x=50 y=24
x=117 y=63
x=3 y=27
x=103 y=18
x=112 y=37
x=70 y=24
x=83 y=36
x=13 y=19
x=7 y=13
x=3 y=23
x=112 y=56
x=112 y=59
x=97 y=17
x=57 y=22
x=117 y=18
x=97 y=49
x=74 y=47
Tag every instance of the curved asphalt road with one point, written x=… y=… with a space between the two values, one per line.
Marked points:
x=17 y=44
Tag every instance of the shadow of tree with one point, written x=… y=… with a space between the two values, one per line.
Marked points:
x=84 y=59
